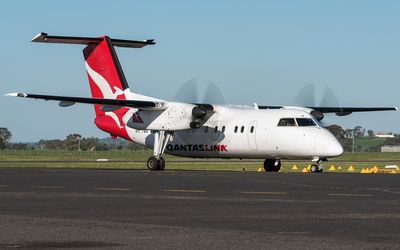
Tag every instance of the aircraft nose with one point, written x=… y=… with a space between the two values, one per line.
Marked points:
x=335 y=149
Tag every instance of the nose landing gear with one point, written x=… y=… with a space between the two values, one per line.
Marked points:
x=316 y=168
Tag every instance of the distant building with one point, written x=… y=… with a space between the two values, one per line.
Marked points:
x=391 y=149
x=384 y=135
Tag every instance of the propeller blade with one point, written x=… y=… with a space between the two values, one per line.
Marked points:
x=329 y=98
x=306 y=96
x=199 y=91
x=213 y=94
x=188 y=92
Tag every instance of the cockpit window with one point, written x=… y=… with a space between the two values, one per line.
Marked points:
x=287 y=122
x=305 y=122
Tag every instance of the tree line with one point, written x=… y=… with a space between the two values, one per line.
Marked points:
x=347 y=138
x=71 y=142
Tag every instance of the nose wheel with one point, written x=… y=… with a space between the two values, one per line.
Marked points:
x=316 y=168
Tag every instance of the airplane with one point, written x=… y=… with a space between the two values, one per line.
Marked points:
x=197 y=130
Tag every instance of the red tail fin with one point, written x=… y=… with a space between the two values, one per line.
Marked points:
x=106 y=77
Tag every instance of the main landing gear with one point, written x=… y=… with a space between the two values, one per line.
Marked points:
x=157 y=162
x=272 y=165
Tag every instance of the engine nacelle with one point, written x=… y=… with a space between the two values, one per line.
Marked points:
x=178 y=116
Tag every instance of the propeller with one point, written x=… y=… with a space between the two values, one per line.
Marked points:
x=203 y=94
x=306 y=97
x=199 y=91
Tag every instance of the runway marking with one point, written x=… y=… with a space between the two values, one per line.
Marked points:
x=185 y=190
x=265 y=193
x=353 y=195
x=55 y=187
x=113 y=189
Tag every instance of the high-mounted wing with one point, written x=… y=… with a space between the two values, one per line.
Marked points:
x=66 y=101
x=342 y=111
x=318 y=112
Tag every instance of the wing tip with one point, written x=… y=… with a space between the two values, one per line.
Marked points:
x=16 y=94
x=39 y=37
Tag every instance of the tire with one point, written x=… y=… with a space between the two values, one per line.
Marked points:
x=161 y=163
x=315 y=168
x=153 y=163
x=272 y=165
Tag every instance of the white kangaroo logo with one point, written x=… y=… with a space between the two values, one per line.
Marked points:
x=106 y=90
x=103 y=85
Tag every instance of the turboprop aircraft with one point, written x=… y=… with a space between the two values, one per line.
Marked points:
x=198 y=130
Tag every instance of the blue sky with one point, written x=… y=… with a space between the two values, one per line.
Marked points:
x=255 y=51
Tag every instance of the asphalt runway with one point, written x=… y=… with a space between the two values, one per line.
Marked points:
x=126 y=209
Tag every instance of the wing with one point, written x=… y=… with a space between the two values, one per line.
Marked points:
x=318 y=112
x=342 y=111
x=108 y=104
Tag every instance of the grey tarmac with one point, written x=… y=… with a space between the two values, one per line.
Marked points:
x=135 y=209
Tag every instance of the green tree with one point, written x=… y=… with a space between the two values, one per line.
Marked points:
x=72 y=141
x=5 y=137
x=54 y=144
x=370 y=133
x=349 y=133
x=92 y=144
x=358 y=132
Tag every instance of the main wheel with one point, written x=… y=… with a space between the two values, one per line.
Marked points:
x=272 y=165
x=153 y=164
x=161 y=163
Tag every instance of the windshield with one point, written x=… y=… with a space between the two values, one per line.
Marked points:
x=305 y=122
x=287 y=122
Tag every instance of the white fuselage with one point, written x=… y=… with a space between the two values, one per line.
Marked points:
x=233 y=132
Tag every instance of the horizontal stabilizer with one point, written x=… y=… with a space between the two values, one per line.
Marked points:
x=44 y=38
x=66 y=101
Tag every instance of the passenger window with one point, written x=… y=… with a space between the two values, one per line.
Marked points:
x=252 y=129
x=236 y=129
x=305 y=122
x=242 y=129
x=216 y=129
x=287 y=122
x=223 y=129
